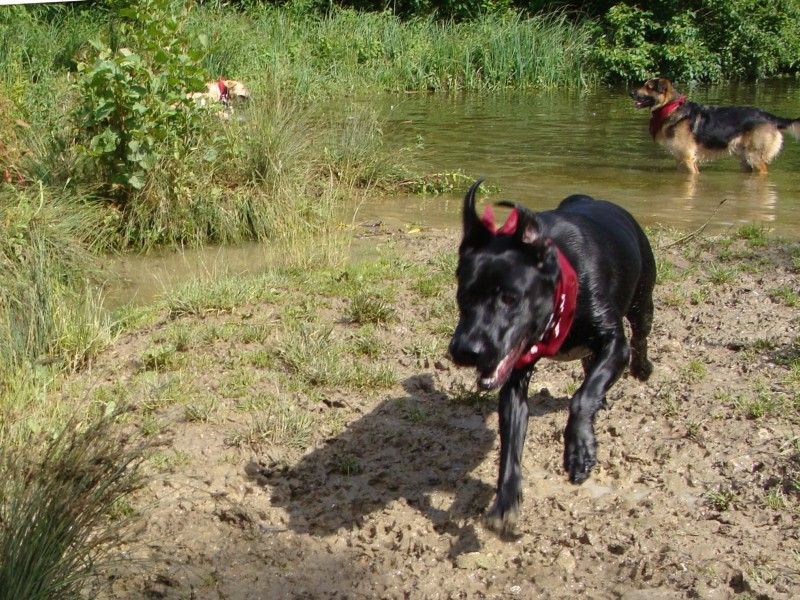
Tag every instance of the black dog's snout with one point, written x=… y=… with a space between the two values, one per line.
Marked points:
x=466 y=352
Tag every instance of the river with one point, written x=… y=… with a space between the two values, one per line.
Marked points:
x=537 y=149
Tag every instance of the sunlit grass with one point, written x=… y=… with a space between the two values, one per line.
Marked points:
x=344 y=51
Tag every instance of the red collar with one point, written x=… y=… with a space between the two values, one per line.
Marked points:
x=660 y=114
x=565 y=296
x=224 y=93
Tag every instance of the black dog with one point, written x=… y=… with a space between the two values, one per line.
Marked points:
x=554 y=283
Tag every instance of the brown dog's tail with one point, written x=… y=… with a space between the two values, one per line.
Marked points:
x=794 y=129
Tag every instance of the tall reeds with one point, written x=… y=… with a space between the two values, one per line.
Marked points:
x=348 y=51
x=45 y=267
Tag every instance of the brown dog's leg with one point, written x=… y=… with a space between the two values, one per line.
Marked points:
x=689 y=163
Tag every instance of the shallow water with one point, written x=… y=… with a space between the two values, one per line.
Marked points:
x=537 y=148
x=540 y=148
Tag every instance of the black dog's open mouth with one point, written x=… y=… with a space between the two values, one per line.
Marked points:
x=499 y=375
x=645 y=102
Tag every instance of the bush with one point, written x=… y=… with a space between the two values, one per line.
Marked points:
x=135 y=112
x=699 y=40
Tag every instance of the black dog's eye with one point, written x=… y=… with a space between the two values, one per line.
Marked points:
x=508 y=299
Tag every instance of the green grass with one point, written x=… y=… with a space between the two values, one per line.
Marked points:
x=62 y=508
x=666 y=271
x=775 y=499
x=50 y=306
x=721 y=499
x=319 y=360
x=201 y=411
x=160 y=358
x=369 y=307
x=281 y=423
x=367 y=342
x=426 y=349
x=47 y=304
x=764 y=402
x=786 y=295
x=700 y=294
x=719 y=275
x=694 y=371
x=347 y=51
x=754 y=234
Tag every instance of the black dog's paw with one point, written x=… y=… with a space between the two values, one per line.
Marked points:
x=502 y=517
x=641 y=369
x=580 y=450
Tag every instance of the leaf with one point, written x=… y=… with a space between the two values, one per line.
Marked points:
x=210 y=155
x=103 y=110
x=104 y=143
x=136 y=181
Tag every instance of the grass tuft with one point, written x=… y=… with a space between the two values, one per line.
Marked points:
x=371 y=308
x=60 y=509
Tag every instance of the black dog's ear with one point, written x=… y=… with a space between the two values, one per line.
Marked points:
x=538 y=247
x=527 y=227
x=475 y=232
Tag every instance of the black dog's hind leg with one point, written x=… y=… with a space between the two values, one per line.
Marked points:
x=641 y=320
x=513 y=412
x=580 y=446
x=640 y=316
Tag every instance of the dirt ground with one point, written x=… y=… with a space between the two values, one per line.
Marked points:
x=696 y=493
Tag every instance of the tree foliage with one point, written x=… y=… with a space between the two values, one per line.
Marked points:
x=699 y=39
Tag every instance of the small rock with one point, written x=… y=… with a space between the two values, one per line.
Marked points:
x=566 y=561
x=477 y=560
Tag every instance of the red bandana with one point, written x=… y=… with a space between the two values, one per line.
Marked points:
x=660 y=114
x=565 y=297
x=223 y=90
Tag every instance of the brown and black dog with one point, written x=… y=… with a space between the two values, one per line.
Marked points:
x=693 y=132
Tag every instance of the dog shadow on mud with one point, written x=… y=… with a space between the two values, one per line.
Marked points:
x=421 y=448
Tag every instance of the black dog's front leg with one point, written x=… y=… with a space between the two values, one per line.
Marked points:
x=580 y=446
x=513 y=411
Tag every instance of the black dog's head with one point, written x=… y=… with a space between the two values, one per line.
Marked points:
x=506 y=282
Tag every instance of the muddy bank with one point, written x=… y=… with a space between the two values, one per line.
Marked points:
x=317 y=443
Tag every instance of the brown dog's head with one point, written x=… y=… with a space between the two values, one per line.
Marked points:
x=654 y=93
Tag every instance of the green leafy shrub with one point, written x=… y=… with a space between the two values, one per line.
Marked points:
x=623 y=50
x=753 y=39
x=135 y=112
x=698 y=39
x=684 y=52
